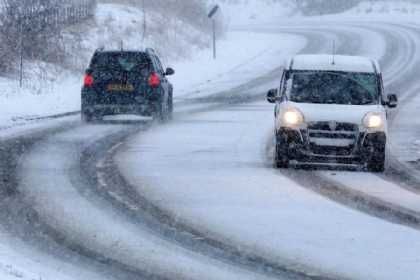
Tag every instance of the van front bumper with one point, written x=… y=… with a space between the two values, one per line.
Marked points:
x=300 y=147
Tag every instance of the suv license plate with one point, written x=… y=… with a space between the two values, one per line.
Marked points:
x=120 y=87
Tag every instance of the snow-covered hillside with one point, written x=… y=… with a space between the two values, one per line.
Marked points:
x=50 y=89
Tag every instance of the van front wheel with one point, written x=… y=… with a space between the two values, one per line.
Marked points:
x=281 y=159
x=377 y=161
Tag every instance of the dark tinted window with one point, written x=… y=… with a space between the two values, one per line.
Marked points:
x=334 y=88
x=121 y=62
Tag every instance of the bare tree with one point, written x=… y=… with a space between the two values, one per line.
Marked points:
x=33 y=28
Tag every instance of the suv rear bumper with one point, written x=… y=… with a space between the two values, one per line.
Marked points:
x=101 y=110
x=94 y=103
x=298 y=147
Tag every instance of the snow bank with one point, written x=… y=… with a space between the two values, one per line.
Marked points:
x=46 y=91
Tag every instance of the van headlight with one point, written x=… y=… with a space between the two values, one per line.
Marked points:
x=292 y=117
x=373 y=120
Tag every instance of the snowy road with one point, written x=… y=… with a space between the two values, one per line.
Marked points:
x=198 y=199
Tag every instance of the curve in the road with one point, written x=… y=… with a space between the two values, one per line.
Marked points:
x=231 y=99
x=171 y=222
x=228 y=252
x=398 y=63
x=50 y=231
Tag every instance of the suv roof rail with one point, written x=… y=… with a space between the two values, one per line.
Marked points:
x=150 y=51
x=375 y=67
x=100 y=49
x=146 y=50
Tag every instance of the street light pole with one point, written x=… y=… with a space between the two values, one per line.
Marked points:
x=211 y=16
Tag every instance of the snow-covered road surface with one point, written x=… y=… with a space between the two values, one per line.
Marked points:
x=59 y=197
x=211 y=172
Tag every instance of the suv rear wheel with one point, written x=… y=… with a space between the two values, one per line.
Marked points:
x=87 y=117
x=160 y=113
x=170 y=107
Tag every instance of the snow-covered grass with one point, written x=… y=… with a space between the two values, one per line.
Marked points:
x=172 y=38
x=47 y=90
x=241 y=57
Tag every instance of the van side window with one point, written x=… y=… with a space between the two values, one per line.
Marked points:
x=285 y=84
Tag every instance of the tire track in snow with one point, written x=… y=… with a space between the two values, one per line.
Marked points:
x=212 y=99
x=128 y=200
x=253 y=83
x=23 y=221
x=238 y=258
x=137 y=207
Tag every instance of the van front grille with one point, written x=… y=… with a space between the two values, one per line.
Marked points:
x=332 y=138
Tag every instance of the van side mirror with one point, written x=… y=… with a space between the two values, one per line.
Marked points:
x=392 y=101
x=272 y=95
x=169 y=71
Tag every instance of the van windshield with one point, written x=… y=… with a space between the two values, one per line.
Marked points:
x=324 y=87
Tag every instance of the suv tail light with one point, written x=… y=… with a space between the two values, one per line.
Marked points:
x=154 y=80
x=88 y=80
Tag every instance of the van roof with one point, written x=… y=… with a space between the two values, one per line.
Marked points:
x=324 y=62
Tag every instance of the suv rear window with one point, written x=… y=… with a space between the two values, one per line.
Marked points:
x=121 y=62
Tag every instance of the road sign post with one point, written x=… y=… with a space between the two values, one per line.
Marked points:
x=214 y=39
x=211 y=15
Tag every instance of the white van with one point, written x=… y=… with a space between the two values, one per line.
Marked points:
x=331 y=110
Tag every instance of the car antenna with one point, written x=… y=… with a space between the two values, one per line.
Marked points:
x=122 y=45
x=333 y=53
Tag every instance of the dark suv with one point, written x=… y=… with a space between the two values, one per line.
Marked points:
x=126 y=82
